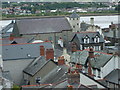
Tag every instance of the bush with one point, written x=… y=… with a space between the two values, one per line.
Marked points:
x=16 y=87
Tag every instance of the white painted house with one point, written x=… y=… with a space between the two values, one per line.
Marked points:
x=96 y=64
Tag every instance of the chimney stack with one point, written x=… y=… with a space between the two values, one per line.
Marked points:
x=92 y=21
x=74 y=47
x=70 y=87
x=11 y=37
x=73 y=76
x=89 y=69
x=49 y=54
x=61 y=60
x=42 y=51
x=78 y=66
x=91 y=53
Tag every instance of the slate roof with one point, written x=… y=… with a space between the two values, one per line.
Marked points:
x=64 y=84
x=84 y=26
x=35 y=65
x=17 y=40
x=91 y=35
x=56 y=75
x=98 y=61
x=7 y=28
x=110 y=34
x=23 y=51
x=114 y=76
x=74 y=15
x=43 y=25
x=6 y=75
x=79 y=57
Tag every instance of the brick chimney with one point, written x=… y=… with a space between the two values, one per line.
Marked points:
x=49 y=54
x=61 y=60
x=42 y=51
x=91 y=53
x=73 y=76
x=89 y=69
x=74 y=47
x=70 y=87
x=78 y=66
x=11 y=37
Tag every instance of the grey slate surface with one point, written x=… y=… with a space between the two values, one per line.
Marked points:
x=17 y=40
x=35 y=65
x=84 y=26
x=74 y=15
x=23 y=51
x=56 y=75
x=43 y=25
x=114 y=76
x=81 y=57
x=6 y=75
x=91 y=35
x=100 y=61
x=6 y=28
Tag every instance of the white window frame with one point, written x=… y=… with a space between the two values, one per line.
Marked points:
x=96 y=39
x=86 y=40
x=99 y=47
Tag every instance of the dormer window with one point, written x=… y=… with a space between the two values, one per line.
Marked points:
x=96 y=39
x=86 y=39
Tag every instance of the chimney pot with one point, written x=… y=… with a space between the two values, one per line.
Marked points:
x=42 y=51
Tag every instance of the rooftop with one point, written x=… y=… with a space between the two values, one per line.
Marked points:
x=23 y=50
x=99 y=60
x=42 y=25
x=90 y=35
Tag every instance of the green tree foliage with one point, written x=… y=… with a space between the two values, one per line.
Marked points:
x=118 y=7
x=55 y=5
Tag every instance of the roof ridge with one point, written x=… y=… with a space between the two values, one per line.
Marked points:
x=24 y=43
